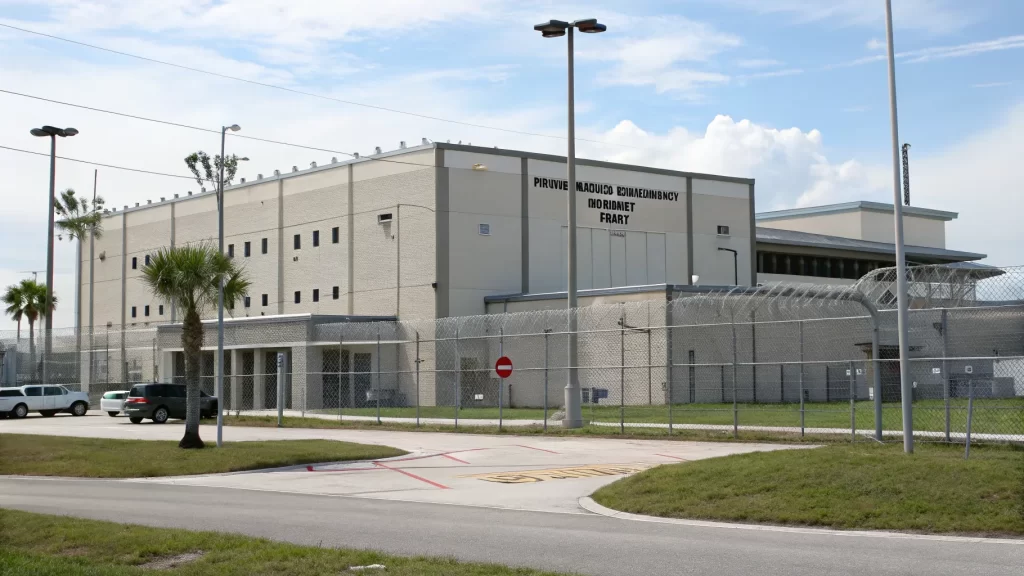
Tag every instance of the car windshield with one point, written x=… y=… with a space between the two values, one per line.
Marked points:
x=113 y=395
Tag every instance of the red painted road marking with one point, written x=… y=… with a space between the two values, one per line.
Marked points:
x=672 y=457
x=534 y=448
x=411 y=475
x=410 y=458
x=450 y=457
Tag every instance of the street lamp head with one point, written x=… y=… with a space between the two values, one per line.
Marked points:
x=552 y=28
x=589 y=26
x=234 y=127
x=243 y=159
x=70 y=131
x=39 y=132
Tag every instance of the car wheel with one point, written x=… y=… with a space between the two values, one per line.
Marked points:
x=48 y=413
x=111 y=414
x=160 y=415
x=20 y=411
x=79 y=408
x=135 y=420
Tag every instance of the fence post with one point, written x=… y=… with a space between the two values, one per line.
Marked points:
x=546 y=332
x=458 y=376
x=418 y=378
x=970 y=416
x=876 y=371
x=341 y=354
x=622 y=370
x=735 y=375
x=280 y=387
x=853 y=400
x=800 y=380
x=377 y=386
x=501 y=381
x=945 y=371
x=782 y=383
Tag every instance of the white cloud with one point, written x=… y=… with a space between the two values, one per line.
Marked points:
x=759 y=63
x=942 y=52
x=935 y=16
x=772 y=74
x=992 y=85
x=666 y=61
x=856 y=109
x=875 y=44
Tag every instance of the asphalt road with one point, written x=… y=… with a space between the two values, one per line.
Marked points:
x=581 y=543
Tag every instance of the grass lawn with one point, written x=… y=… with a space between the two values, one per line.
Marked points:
x=41 y=545
x=862 y=486
x=104 y=458
x=999 y=416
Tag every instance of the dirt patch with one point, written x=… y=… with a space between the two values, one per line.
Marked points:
x=171 y=562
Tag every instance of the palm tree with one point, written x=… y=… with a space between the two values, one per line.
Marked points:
x=27 y=300
x=77 y=219
x=189 y=276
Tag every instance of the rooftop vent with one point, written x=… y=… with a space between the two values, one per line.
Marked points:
x=376 y=149
x=401 y=144
x=242 y=180
x=189 y=192
x=202 y=190
x=334 y=159
x=259 y=176
x=312 y=164
x=147 y=202
x=425 y=141
x=356 y=155
x=277 y=172
x=295 y=168
x=136 y=205
x=162 y=199
x=175 y=194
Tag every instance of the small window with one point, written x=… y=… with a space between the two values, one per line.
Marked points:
x=247 y=249
x=247 y=301
x=485 y=229
x=723 y=230
x=147 y=259
x=231 y=250
x=10 y=393
x=264 y=300
x=297 y=241
x=316 y=238
x=53 y=391
x=145 y=310
x=263 y=245
x=133 y=312
x=335 y=235
x=384 y=218
x=160 y=310
x=316 y=294
x=135 y=263
x=34 y=391
x=335 y=293
x=298 y=297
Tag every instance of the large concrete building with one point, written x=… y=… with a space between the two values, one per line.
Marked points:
x=429 y=232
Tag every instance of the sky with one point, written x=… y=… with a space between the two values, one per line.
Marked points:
x=793 y=93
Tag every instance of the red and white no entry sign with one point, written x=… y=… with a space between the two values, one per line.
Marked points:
x=503 y=367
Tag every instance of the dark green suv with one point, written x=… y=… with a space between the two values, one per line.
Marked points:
x=162 y=401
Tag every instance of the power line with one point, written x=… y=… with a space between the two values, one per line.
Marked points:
x=98 y=164
x=199 y=128
x=303 y=92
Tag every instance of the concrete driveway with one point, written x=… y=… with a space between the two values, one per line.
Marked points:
x=535 y=473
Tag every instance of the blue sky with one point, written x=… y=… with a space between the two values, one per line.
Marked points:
x=790 y=92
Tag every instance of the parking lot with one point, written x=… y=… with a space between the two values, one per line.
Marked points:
x=523 y=473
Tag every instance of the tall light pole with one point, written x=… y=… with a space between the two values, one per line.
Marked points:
x=52 y=132
x=220 y=289
x=906 y=391
x=573 y=399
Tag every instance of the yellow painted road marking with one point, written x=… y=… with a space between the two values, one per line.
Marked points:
x=589 y=471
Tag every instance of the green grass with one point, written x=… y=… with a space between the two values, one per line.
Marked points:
x=43 y=545
x=862 y=486
x=104 y=458
x=991 y=416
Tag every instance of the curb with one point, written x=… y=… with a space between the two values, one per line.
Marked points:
x=588 y=504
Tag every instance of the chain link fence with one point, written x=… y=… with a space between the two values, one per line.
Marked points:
x=781 y=360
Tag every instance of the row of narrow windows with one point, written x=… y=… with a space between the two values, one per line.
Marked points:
x=246 y=301
x=264 y=246
x=816 y=266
